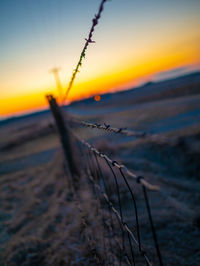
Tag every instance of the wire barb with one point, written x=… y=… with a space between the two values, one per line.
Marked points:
x=120 y=166
x=107 y=127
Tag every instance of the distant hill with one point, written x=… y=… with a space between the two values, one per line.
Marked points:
x=182 y=86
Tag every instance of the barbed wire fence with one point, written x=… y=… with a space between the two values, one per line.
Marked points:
x=114 y=187
x=110 y=191
x=124 y=172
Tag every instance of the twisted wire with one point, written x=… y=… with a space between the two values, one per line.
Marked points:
x=110 y=209
x=107 y=127
x=83 y=53
x=119 y=216
x=120 y=166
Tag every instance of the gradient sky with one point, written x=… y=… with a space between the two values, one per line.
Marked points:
x=136 y=41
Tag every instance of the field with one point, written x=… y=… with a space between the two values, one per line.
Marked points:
x=39 y=221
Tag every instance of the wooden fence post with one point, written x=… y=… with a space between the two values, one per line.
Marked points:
x=65 y=137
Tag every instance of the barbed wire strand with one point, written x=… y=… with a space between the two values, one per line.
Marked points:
x=97 y=186
x=120 y=166
x=122 y=220
x=139 y=180
x=122 y=130
x=107 y=127
x=83 y=53
x=122 y=249
x=136 y=215
x=145 y=185
x=89 y=172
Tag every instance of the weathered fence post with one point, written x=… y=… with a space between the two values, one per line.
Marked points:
x=65 y=137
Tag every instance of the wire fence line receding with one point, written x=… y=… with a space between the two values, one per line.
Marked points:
x=124 y=226
x=116 y=197
x=83 y=53
x=133 y=241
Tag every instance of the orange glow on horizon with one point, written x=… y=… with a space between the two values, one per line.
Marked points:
x=127 y=76
x=134 y=43
x=130 y=73
x=20 y=104
x=108 y=83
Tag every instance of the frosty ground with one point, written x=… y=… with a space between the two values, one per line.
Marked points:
x=39 y=221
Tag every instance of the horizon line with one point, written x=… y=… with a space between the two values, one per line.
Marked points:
x=43 y=109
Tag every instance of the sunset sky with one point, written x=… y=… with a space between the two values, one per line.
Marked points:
x=136 y=41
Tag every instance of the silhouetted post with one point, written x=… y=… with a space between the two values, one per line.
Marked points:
x=65 y=137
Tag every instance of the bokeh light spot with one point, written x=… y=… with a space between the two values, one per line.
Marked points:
x=97 y=98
